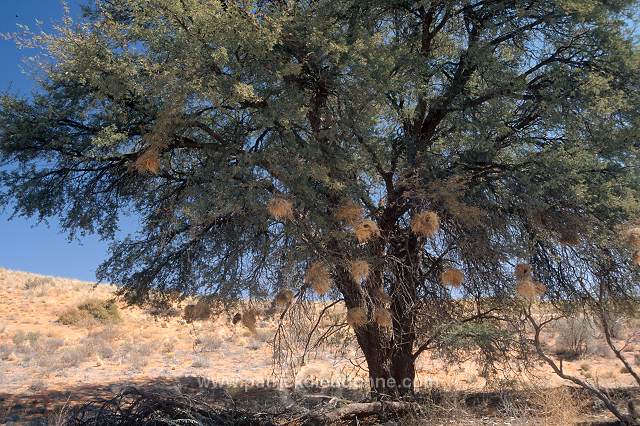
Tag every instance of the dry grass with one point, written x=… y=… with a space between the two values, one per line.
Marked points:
x=73 y=356
x=366 y=230
x=356 y=317
x=425 y=224
x=349 y=213
x=201 y=362
x=359 y=270
x=318 y=277
x=452 y=277
x=280 y=208
x=38 y=283
x=636 y=258
x=148 y=161
x=553 y=406
x=382 y=317
x=207 y=343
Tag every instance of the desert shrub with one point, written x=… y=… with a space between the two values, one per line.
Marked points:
x=5 y=351
x=92 y=312
x=109 y=333
x=617 y=324
x=208 y=343
x=254 y=345
x=136 y=354
x=558 y=406
x=263 y=335
x=25 y=342
x=99 y=345
x=599 y=347
x=38 y=283
x=575 y=337
x=37 y=386
x=169 y=345
x=49 y=345
x=200 y=362
x=72 y=356
x=163 y=311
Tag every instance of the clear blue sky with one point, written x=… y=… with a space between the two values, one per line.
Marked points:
x=25 y=245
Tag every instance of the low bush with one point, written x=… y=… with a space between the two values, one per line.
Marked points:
x=575 y=337
x=98 y=345
x=49 y=345
x=207 y=343
x=92 y=312
x=200 y=362
x=5 y=351
x=38 y=283
x=72 y=356
x=136 y=355
x=24 y=342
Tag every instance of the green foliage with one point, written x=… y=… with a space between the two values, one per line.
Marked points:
x=91 y=312
x=488 y=342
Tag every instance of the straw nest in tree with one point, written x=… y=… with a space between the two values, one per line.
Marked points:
x=318 y=277
x=631 y=237
x=381 y=295
x=148 y=161
x=452 y=277
x=365 y=230
x=359 y=270
x=349 y=213
x=280 y=208
x=382 y=317
x=283 y=298
x=249 y=320
x=357 y=317
x=523 y=271
x=425 y=224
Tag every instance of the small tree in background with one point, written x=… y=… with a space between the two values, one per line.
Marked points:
x=397 y=155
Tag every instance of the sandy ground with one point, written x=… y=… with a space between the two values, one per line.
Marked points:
x=38 y=353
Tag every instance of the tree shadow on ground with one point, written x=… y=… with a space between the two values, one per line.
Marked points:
x=209 y=403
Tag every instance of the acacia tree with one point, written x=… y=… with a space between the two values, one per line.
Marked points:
x=408 y=144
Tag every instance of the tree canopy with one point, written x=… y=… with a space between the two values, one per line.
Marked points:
x=438 y=143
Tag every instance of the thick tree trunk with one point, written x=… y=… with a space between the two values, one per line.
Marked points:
x=391 y=370
x=388 y=352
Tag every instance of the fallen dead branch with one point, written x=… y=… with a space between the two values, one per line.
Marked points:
x=134 y=406
x=362 y=409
